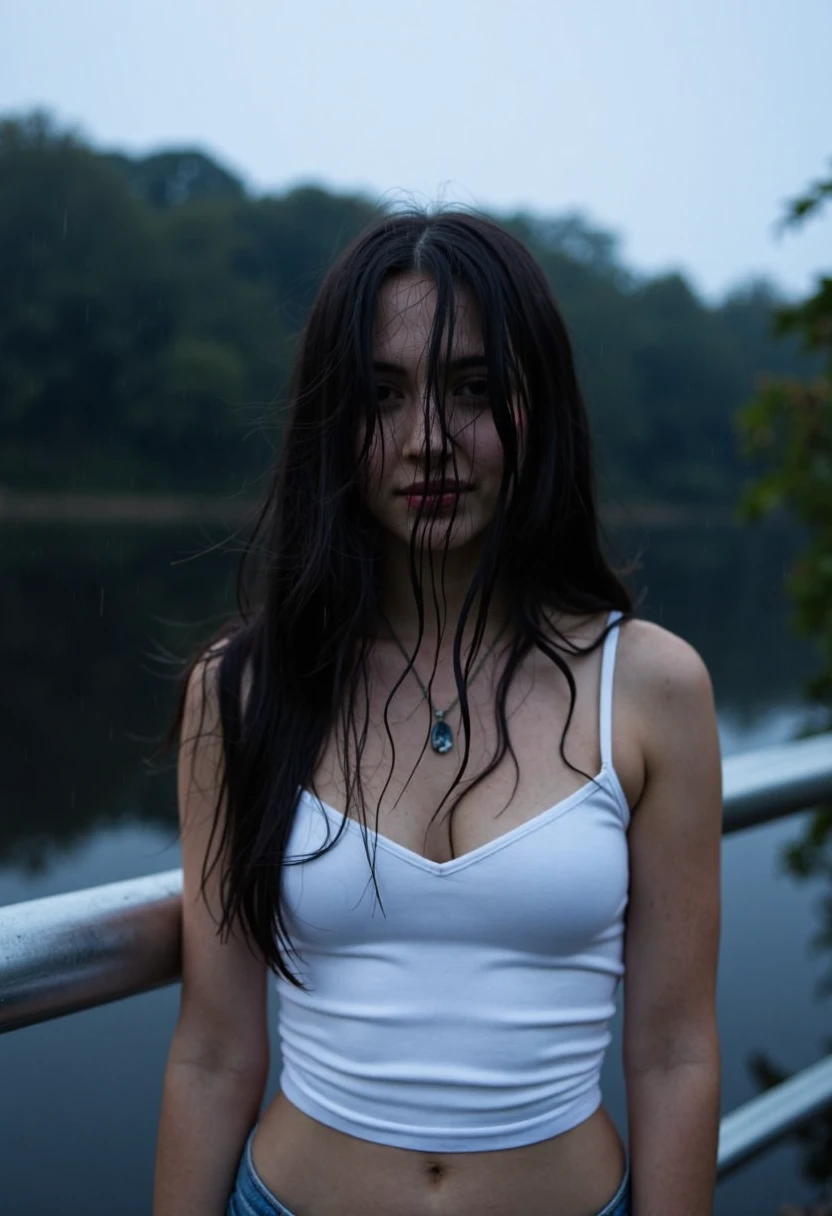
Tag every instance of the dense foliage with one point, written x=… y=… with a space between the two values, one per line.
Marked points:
x=788 y=427
x=148 y=308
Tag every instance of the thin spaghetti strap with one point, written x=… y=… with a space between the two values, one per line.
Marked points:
x=607 y=674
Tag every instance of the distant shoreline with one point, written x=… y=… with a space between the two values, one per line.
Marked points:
x=19 y=506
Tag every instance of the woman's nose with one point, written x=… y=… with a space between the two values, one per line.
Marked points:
x=424 y=429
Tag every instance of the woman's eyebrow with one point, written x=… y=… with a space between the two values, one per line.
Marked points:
x=455 y=365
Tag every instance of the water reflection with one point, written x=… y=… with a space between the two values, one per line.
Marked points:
x=83 y=701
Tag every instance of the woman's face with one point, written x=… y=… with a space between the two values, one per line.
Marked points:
x=460 y=500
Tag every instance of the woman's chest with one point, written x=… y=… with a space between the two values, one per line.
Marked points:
x=548 y=887
x=408 y=787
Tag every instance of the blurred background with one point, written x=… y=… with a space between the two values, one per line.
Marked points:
x=174 y=181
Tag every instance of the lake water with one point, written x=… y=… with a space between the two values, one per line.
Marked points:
x=81 y=700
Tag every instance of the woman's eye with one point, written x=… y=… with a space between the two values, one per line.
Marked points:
x=474 y=389
x=385 y=394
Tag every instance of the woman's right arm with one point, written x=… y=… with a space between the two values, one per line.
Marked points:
x=219 y=1057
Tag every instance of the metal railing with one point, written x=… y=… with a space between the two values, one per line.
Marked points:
x=70 y=952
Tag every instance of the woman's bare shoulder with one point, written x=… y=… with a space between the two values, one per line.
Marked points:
x=651 y=657
x=663 y=679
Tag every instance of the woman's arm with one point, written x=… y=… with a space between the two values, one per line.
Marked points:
x=206 y=1116
x=219 y=1057
x=671 y=1049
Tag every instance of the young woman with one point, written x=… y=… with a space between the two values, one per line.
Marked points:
x=444 y=785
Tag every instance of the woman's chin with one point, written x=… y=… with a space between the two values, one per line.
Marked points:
x=440 y=534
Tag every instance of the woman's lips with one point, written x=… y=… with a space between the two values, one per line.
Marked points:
x=434 y=502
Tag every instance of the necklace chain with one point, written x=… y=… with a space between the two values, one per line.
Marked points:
x=441 y=735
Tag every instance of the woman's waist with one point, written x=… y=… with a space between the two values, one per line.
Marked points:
x=314 y=1167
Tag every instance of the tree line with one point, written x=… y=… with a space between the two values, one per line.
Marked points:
x=150 y=306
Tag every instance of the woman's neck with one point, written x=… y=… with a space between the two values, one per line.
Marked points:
x=443 y=595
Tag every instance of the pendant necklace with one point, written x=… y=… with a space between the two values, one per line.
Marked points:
x=441 y=735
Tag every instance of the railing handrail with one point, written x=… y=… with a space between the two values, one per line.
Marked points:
x=65 y=953
x=771 y=782
x=763 y=1120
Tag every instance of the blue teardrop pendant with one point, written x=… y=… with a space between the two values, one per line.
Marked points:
x=441 y=736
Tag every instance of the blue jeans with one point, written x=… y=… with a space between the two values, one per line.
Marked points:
x=251 y=1196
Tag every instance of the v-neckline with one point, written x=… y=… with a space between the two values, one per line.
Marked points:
x=473 y=855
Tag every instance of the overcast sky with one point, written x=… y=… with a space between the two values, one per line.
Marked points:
x=681 y=125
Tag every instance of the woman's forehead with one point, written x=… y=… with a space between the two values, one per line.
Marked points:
x=405 y=317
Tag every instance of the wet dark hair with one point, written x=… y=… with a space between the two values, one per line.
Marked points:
x=305 y=642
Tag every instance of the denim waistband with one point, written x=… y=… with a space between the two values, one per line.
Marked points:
x=251 y=1196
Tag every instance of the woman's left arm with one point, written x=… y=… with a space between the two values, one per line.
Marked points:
x=671 y=1047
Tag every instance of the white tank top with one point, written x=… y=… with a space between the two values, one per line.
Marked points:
x=474 y=1014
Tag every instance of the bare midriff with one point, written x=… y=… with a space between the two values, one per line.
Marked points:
x=315 y=1170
